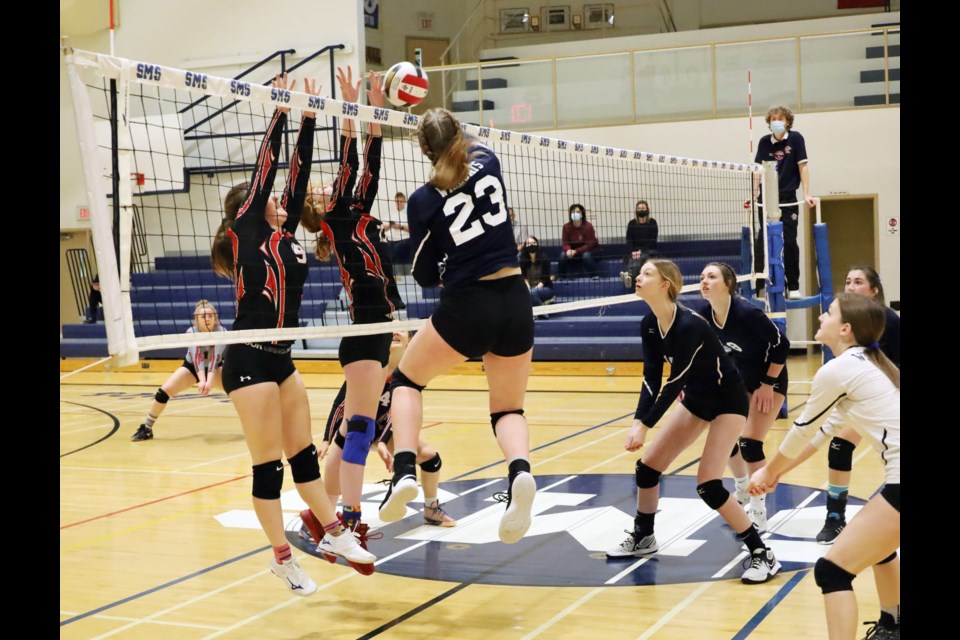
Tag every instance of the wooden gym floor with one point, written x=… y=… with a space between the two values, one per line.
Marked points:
x=157 y=541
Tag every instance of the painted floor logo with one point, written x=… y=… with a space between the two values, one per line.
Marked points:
x=576 y=518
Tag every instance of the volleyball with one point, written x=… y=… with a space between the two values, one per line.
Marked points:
x=405 y=84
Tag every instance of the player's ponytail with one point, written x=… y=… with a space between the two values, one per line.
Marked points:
x=867 y=320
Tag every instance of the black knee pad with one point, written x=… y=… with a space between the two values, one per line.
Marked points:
x=751 y=450
x=647 y=477
x=736 y=449
x=713 y=493
x=161 y=396
x=840 y=456
x=889 y=558
x=495 y=417
x=305 y=466
x=432 y=465
x=831 y=578
x=339 y=439
x=268 y=480
x=399 y=379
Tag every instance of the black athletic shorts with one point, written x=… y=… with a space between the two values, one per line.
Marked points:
x=751 y=379
x=186 y=364
x=248 y=364
x=486 y=316
x=891 y=493
x=726 y=400
x=357 y=348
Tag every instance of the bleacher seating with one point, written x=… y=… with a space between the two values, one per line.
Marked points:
x=163 y=301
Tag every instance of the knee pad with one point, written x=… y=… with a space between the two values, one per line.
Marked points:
x=495 y=418
x=889 y=558
x=305 y=466
x=751 y=450
x=840 y=456
x=399 y=379
x=713 y=493
x=736 y=449
x=647 y=477
x=432 y=465
x=831 y=578
x=339 y=439
x=161 y=396
x=360 y=432
x=268 y=480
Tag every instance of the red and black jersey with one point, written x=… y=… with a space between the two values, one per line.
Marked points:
x=383 y=422
x=271 y=266
x=365 y=269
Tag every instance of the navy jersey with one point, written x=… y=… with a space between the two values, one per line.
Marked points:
x=271 y=266
x=339 y=403
x=890 y=340
x=365 y=270
x=698 y=364
x=748 y=336
x=462 y=235
x=789 y=153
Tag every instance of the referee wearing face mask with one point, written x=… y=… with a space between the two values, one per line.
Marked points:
x=788 y=149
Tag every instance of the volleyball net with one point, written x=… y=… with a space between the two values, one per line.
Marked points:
x=162 y=146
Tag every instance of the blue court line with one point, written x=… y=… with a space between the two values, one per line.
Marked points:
x=262 y=549
x=771 y=604
x=162 y=586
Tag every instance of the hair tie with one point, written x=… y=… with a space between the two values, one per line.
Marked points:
x=873 y=345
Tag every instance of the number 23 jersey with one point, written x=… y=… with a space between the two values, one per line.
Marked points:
x=461 y=235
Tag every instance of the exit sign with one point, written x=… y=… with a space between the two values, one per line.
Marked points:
x=83 y=213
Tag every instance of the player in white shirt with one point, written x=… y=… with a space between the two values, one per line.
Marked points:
x=863 y=386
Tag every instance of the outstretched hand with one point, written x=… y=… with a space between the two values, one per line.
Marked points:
x=375 y=92
x=762 y=482
x=348 y=90
x=282 y=81
x=311 y=87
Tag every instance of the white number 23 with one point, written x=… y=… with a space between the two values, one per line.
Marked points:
x=460 y=231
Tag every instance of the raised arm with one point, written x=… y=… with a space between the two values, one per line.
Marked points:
x=349 y=163
x=261 y=184
x=298 y=175
x=366 y=193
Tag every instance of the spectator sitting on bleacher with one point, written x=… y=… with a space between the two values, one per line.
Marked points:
x=535 y=268
x=642 y=234
x=94 y=300
x=520 y=233
x=579 y=243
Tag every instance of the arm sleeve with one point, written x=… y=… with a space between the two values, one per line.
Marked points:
x=590 y=241
x=261 y=184
x=565 y=236
x=827 y=390
x=545 y=274
x=298 y=176
x=763 y=328
x=427 y=255
x=370 y=179
x=760 y=150
x=799 y=148
x=652 y=376
x=631 y=241
x=692 y=347
x=347 y=176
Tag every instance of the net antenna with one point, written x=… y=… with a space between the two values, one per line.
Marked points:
x=147 y=118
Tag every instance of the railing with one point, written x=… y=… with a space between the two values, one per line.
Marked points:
x=810 y=73
x=81 y=277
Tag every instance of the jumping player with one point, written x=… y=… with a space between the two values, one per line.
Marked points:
x=256 y=246
x=461 y=234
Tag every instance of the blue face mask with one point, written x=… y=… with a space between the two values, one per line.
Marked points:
x=576 y=217
x=778 y=127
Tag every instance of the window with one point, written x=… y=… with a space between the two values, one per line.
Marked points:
x=555 y=18
x=514 y=20
x=598 y=16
